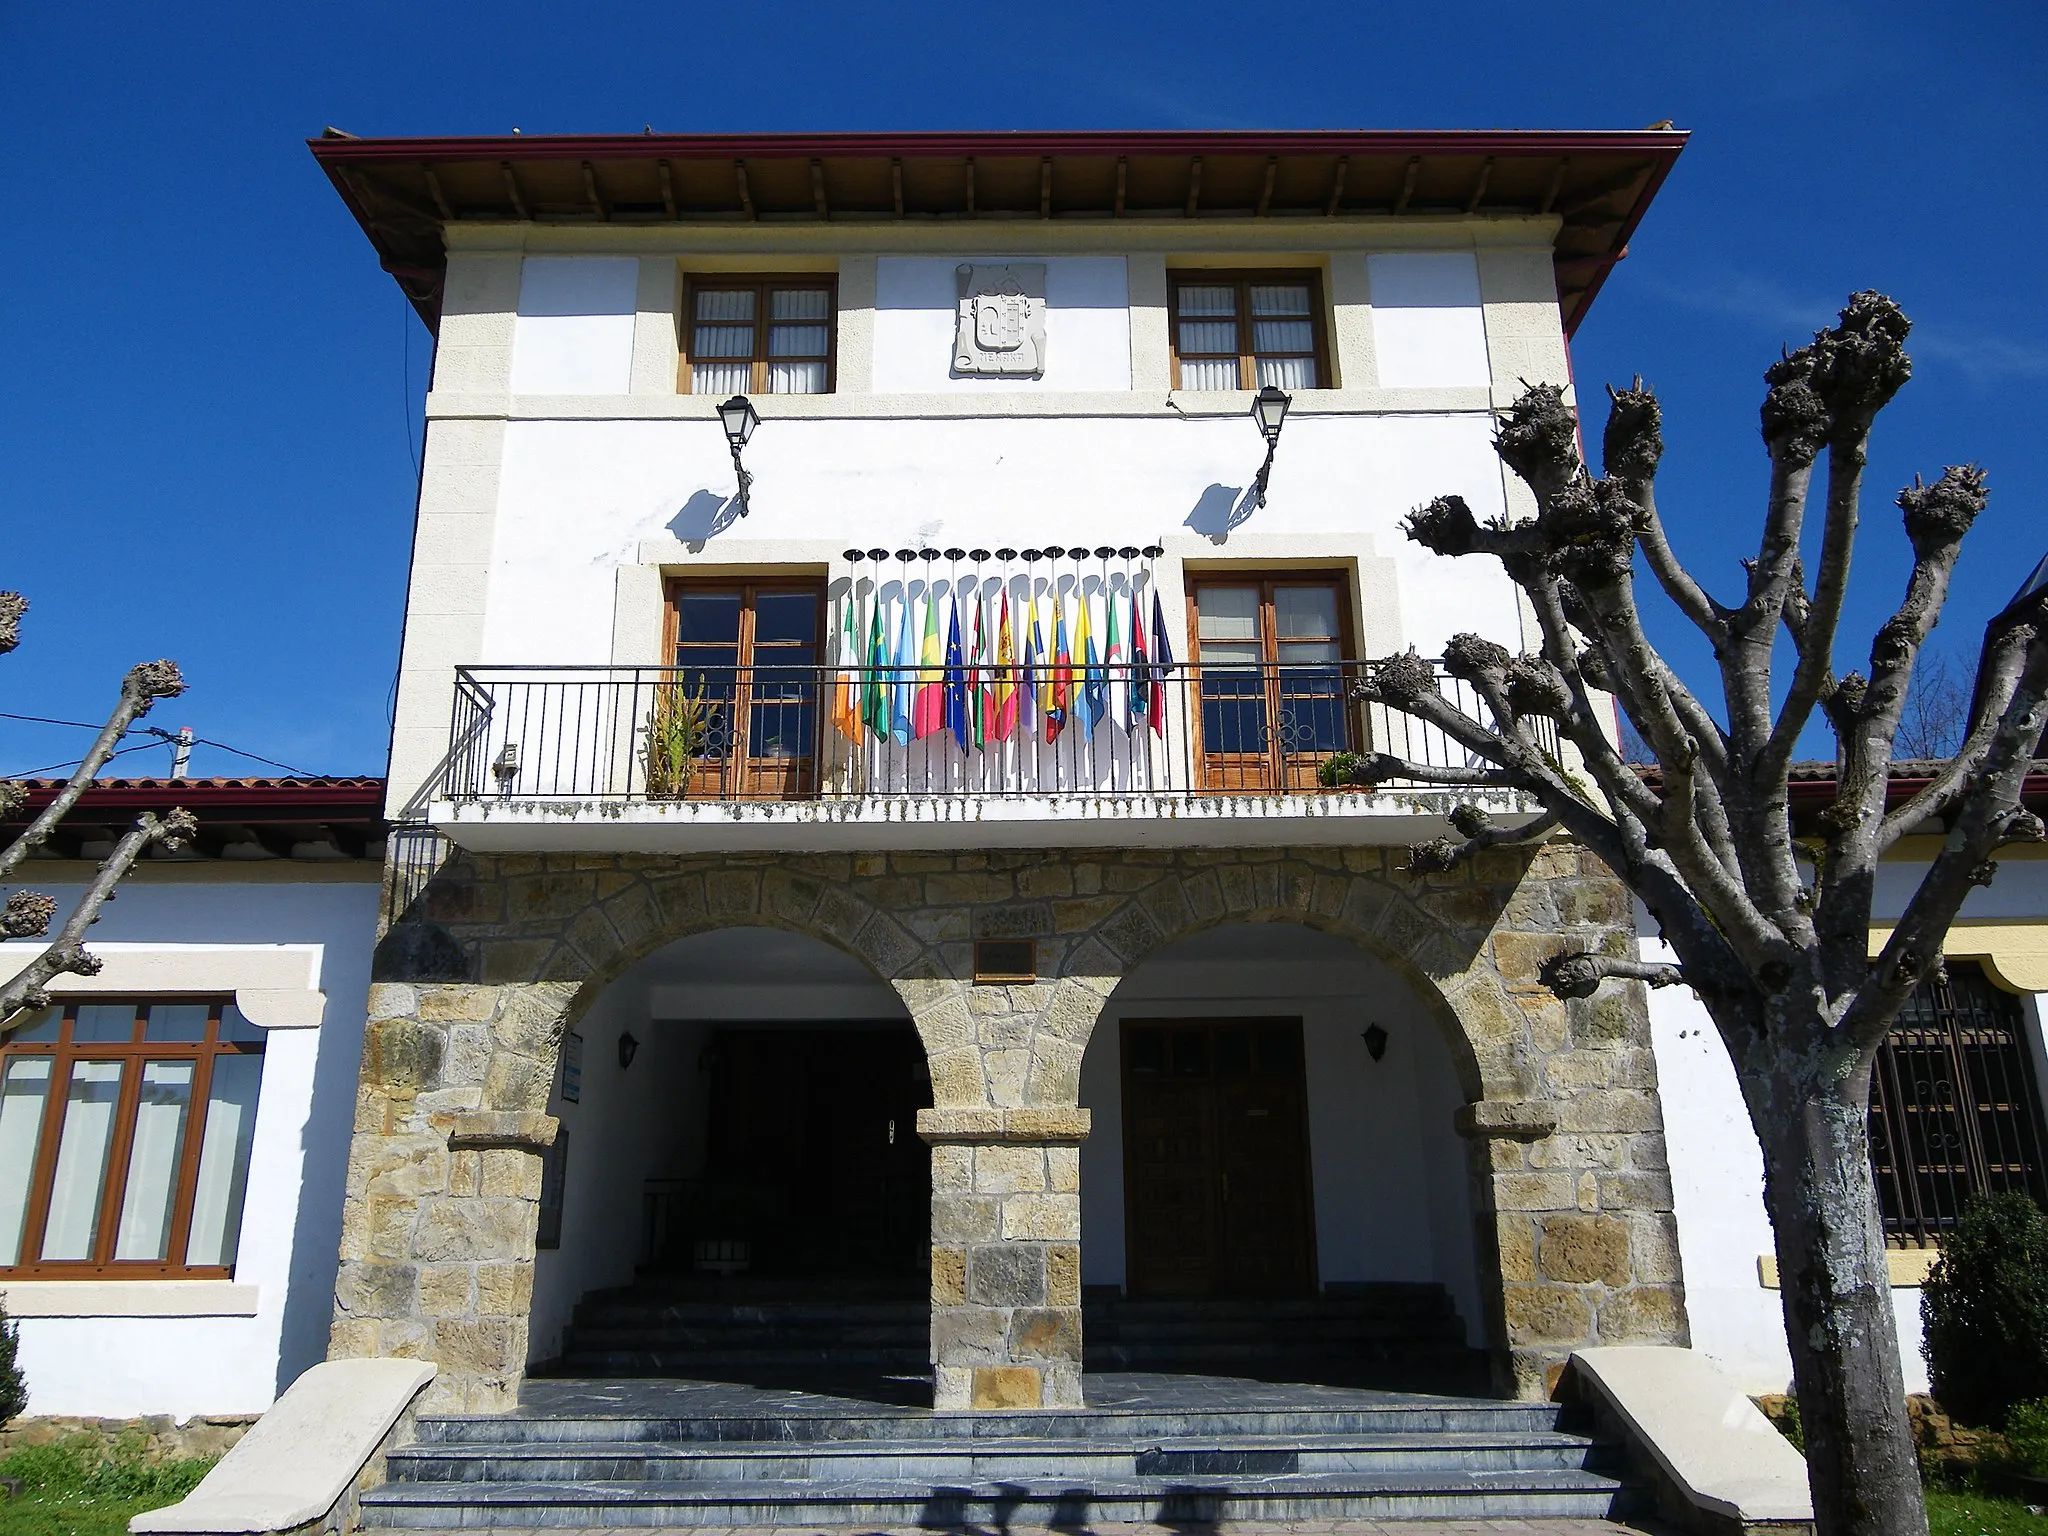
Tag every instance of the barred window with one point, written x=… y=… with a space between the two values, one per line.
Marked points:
x=1954 y=1106
x=125 y=1132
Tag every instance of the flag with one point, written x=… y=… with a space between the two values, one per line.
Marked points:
x=1162 y=665
x=846 y=687
x=875 y=688
x=928 y=711
x=979 y=678
x=1090 y=697
x=1028 y=680
x=1141 y=671
x=1060 y=682
x=959 y=708
x=1003 y=697
x=903 y=685
x=1116 y=668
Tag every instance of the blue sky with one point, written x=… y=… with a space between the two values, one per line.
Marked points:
x=209 y=398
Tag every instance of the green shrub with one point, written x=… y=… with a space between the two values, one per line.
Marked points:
x=1984 y=1312
x=2026 y=1437
x=13 y=1385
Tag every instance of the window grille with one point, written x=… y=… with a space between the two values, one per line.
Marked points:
x=1954 y=1107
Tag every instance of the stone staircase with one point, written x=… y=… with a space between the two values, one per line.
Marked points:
x=1398 y=1336
x=1148 y=1448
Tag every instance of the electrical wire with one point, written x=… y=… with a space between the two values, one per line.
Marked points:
x=221 y=746
x=30 y=773
x=82 y=725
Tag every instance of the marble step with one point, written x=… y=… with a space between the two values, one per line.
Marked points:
x=574 y=1427
x=1447 y=1494
x=992 y=1460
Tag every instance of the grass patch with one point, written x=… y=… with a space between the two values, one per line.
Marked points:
x=86 y=1487
x=1978 y=1514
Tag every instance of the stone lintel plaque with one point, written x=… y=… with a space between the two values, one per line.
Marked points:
x=1001 y=329
x=1505 y=1120
x=982 y=1126
x=487 y=1129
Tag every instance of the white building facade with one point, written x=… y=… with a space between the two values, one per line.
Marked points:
x=174 y=1130
x=876 y=696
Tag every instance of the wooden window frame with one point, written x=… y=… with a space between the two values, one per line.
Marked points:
x=1268 y=580
x=1244 y=278
x=761 y=285
x=64 y=1053
x=733 y=778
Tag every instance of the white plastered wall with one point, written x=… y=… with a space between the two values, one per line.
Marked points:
x=300 y=954
x=1717 y=1167
x=558 y=450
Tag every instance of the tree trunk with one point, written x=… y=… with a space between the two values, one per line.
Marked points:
x=1836 y=1293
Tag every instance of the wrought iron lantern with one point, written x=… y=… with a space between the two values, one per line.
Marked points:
x=1269 y=410
x=739 y=418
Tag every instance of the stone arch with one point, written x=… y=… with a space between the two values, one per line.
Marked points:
x=1442 y=965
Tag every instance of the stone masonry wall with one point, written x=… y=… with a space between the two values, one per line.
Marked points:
x=496 y=956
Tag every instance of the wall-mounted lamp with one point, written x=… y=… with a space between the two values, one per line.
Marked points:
x=1375 y=1040
x=505 y=766
x=629 y=1047
x=1269 y=410
x=739 y=419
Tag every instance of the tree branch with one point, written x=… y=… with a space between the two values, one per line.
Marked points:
x=1581 y=975
x=1441 y=855
x=66 y=954
x=140 y=689
x=1629 y=452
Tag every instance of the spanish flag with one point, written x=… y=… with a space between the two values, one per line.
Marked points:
x=1003 y=690
x=846 y=687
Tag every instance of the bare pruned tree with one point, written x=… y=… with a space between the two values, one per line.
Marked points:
x=1771 y=934
x=1937 y=707
x=28 y=914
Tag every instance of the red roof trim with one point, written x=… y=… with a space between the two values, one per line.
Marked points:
x=1012 y=143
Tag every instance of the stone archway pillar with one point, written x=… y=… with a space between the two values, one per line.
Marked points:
x=443 y=1189
x=1006 y=1256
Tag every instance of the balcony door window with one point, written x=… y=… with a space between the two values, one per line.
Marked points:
x=1270 y=682
x=738 y=719
x=767 y=336
x=125 y=1134
x=1246 y=330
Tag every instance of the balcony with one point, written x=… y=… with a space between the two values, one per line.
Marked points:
x=675 y=759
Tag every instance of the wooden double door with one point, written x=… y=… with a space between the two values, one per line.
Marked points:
x=1217 y=1196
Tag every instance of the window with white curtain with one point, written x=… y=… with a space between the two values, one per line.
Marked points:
x=125 y=1132
x=759 y=336
x=1245 y=330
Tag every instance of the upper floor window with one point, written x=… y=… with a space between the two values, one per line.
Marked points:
x=755 y=336
x=1245 y=330
x=125 y=1131
x=1269 y=656
x=1954 y=1108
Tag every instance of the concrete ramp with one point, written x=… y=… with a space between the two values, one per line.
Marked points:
x=1712 y=1448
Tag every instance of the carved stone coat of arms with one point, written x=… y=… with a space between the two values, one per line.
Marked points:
x=1001 y=332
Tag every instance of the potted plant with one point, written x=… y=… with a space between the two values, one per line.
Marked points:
x=678 y=726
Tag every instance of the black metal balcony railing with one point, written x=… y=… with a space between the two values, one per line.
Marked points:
x=787 y=732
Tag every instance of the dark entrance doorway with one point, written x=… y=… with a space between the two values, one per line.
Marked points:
x=1216 y=1172
x=813 y=1168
